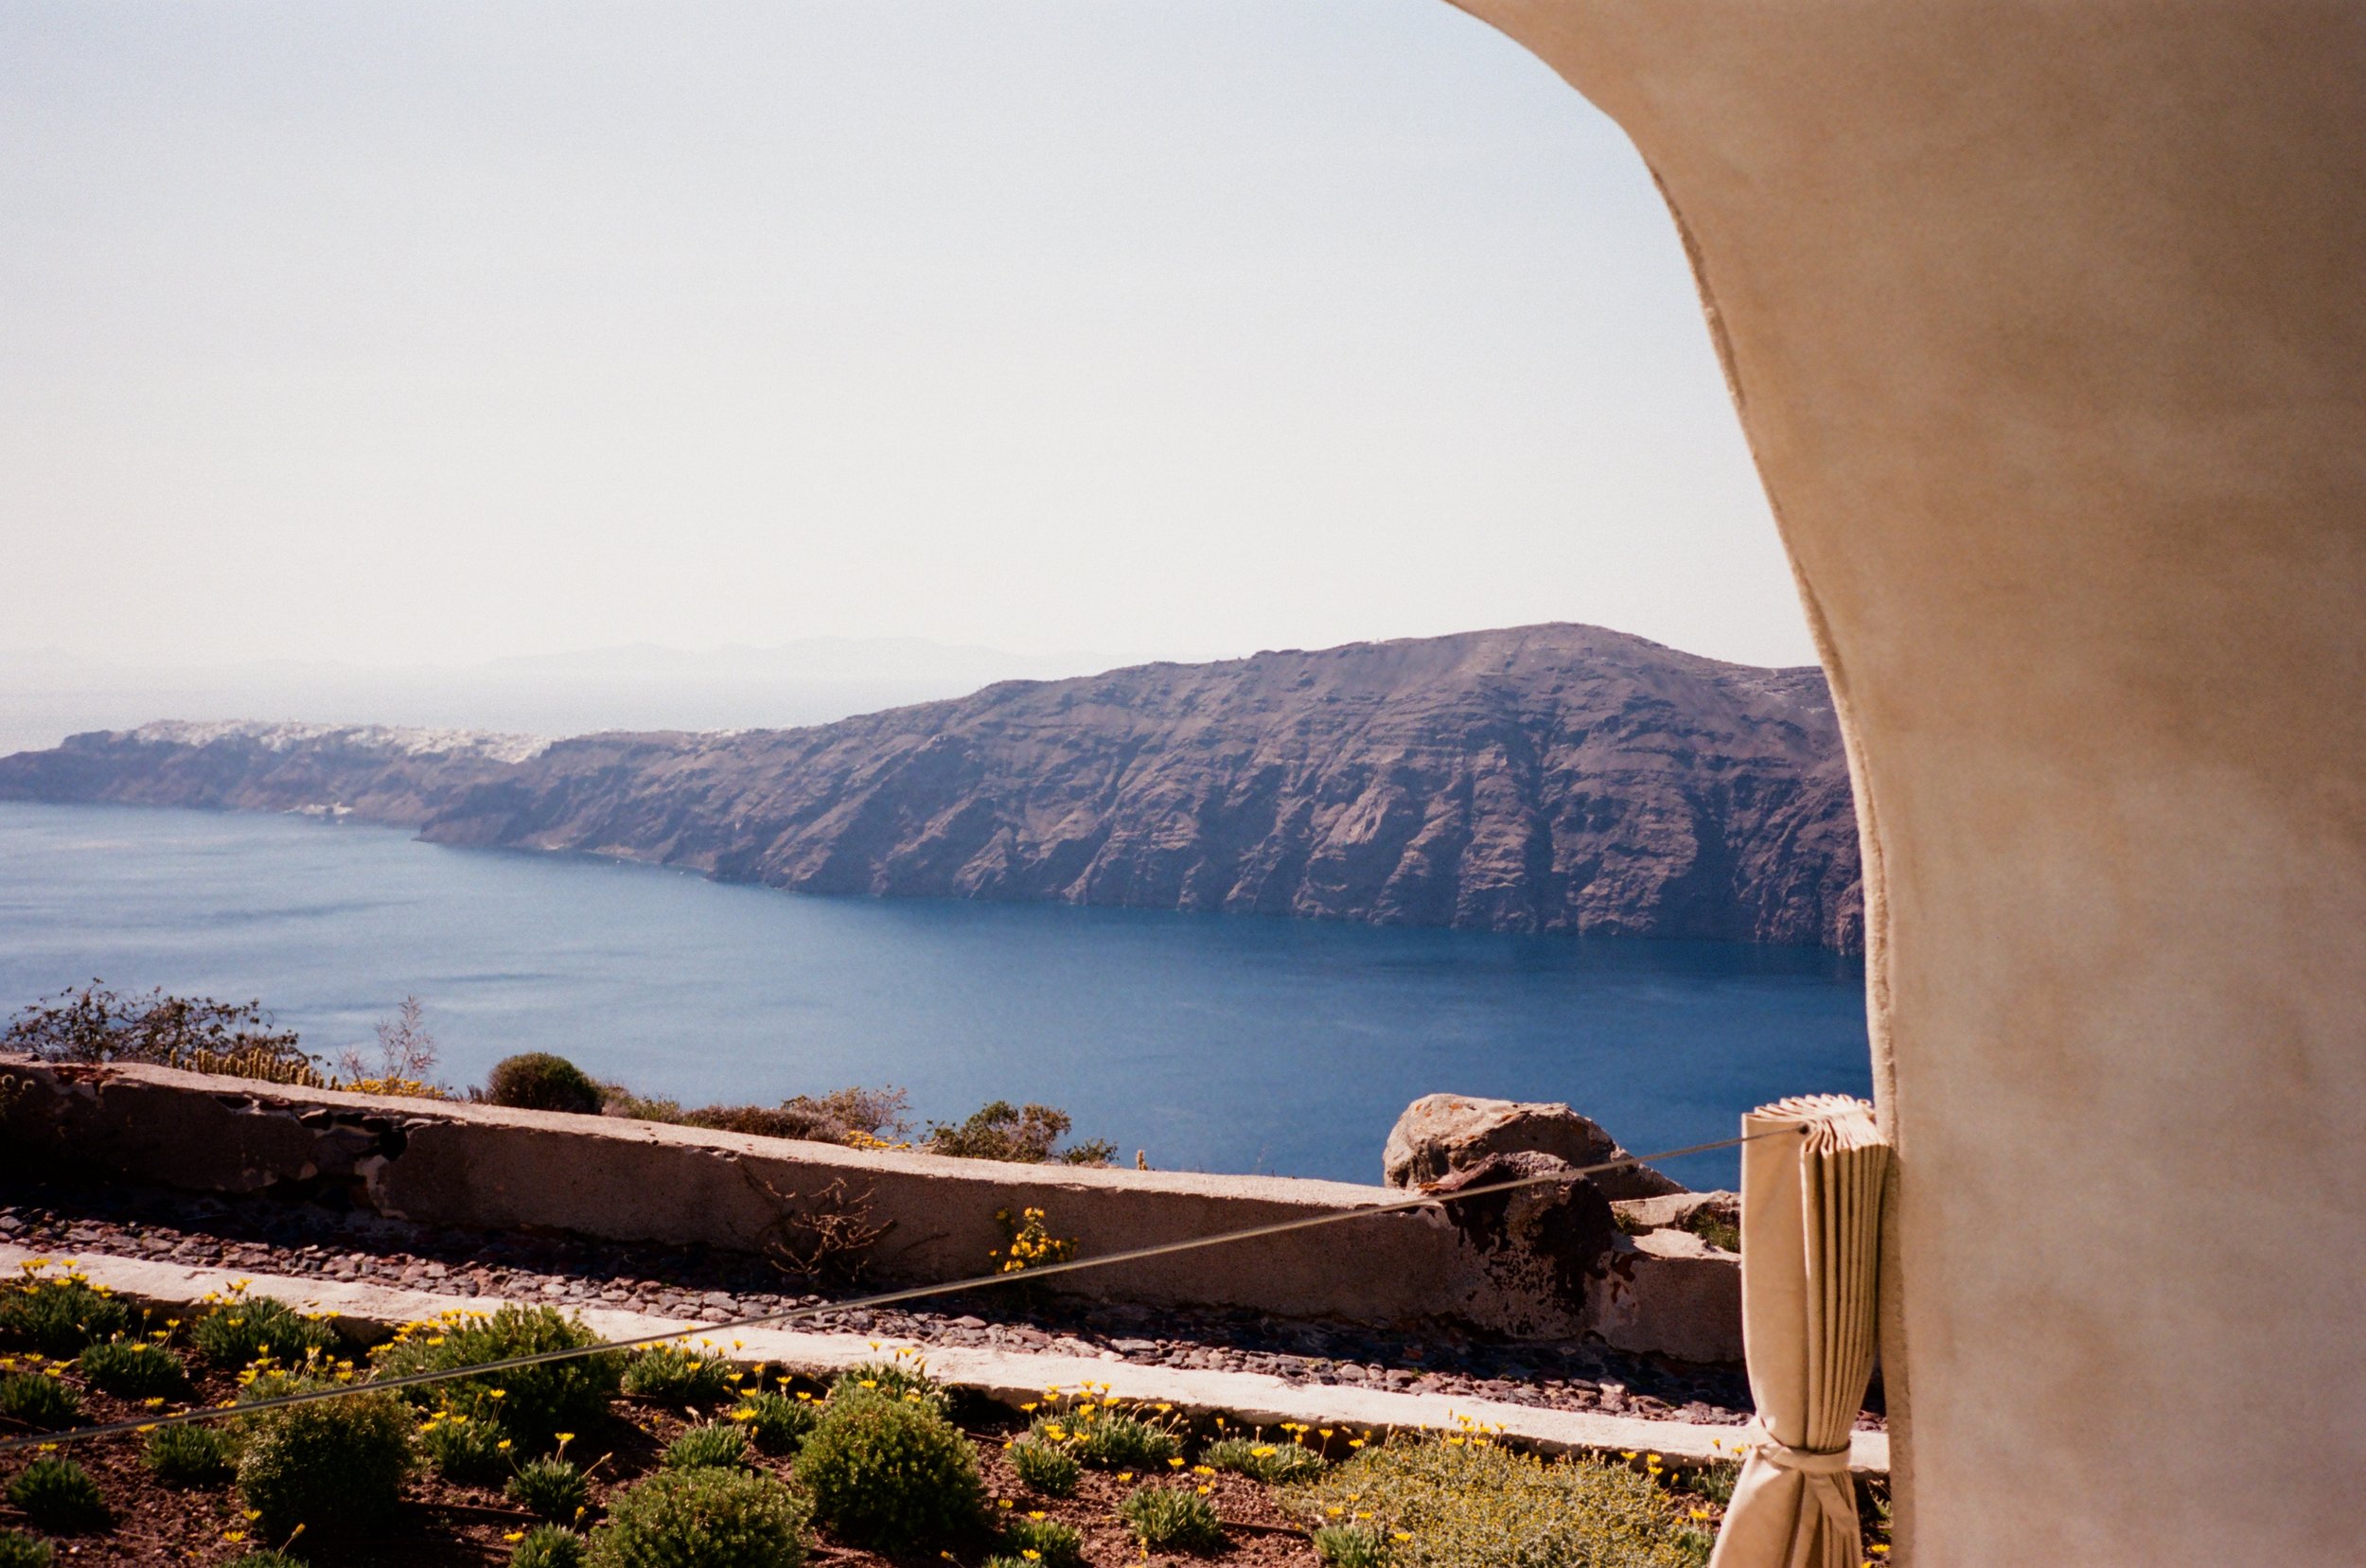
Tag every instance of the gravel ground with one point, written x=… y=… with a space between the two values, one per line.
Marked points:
x=270 y=1237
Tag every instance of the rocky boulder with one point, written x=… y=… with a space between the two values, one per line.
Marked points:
x=1442 y=1134
x=1545 y=1248
x=1714 y=1217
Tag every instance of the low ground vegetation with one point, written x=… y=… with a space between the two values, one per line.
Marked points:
x=721 y=1465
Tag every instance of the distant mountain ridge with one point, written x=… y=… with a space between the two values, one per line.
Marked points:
x=1551 y=777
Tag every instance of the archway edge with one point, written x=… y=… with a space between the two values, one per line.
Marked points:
x=2043 y=324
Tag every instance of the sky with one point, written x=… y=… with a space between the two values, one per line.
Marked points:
x=442 y=332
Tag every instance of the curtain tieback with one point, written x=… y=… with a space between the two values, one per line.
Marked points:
x=1806 y=1461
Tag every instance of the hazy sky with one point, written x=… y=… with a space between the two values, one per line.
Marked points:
x=1149 y=327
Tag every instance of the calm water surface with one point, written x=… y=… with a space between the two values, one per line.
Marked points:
x=1212 y=1042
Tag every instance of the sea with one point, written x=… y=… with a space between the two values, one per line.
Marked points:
x=1206 y=1042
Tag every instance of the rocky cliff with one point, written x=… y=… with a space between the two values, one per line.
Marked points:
x=1552 y=777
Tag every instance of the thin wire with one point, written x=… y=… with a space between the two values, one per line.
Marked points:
x=886 y=1298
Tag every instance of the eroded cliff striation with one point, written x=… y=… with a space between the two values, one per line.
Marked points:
x=1554 y=778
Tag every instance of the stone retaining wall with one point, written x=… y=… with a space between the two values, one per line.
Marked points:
x=484 y=1167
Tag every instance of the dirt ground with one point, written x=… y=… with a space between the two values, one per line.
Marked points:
x=446 y=1523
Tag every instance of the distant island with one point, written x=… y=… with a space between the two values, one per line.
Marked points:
x=1549 y=778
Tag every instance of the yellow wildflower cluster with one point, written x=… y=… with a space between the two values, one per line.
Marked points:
x=1028 y=1243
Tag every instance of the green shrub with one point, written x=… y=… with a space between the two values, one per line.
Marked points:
x=712 y=1446
x=58 y=1317
x=328 y=1465
x=1055 y=1545
x=539 y=1082
x=1275 y=1464
x=857 y=1117
x=248 y=1329
x=1471 y=1504
x=893 y=1380
x=1174 y=1518
x=891 y=1474
x=133 y=1369
x=191 y=1456
x=1108 y=1439
x=548 y=1546
x=703 y=1519
x=1024 y=1135
x=531 y=1404
x=775 y=1422
x=39 y=1400
x=266 y=1381
x=550 y=1489
x=19 y=1550
x=58 y=1496
x=1047 y=1467
x=268 y=1559
x=616 y=1100
x=1350 y=1547
x=677 y=1374
x=465 y=1451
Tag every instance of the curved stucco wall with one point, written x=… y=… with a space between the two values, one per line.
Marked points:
x=2048 y=325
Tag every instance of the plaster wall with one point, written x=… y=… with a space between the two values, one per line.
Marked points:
x=2047 y=325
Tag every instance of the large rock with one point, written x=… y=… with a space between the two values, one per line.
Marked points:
x=1545 y=1248
x=1440 y=1133
x=1689 y=1211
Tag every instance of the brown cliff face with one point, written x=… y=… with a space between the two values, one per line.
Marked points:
x=1549 y=778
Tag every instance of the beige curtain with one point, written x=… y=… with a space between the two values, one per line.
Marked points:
x=1811 y=1240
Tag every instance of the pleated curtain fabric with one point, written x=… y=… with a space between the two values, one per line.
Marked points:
x=1811 y=1242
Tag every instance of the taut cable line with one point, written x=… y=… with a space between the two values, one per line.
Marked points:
x=885 y=1298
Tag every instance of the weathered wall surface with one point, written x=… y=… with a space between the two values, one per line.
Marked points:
x=2045 y=324
x=485 y=1167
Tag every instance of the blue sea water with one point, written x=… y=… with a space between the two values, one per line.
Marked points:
x=1212 y=1043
